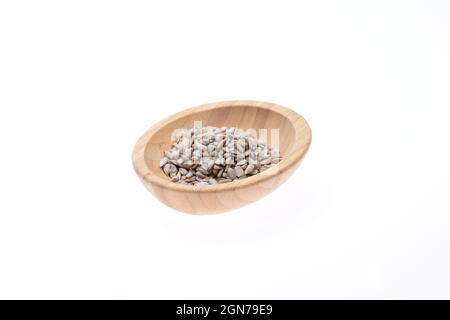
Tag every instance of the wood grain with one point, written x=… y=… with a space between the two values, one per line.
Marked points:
x=294 y=141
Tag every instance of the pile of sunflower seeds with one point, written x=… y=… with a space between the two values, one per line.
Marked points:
x=210 y=155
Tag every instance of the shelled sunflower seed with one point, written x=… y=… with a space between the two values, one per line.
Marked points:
x=211 y=155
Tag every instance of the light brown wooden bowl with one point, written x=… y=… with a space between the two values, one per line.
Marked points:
x=294 y=141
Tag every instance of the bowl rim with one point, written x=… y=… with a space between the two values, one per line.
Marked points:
x=297 y=121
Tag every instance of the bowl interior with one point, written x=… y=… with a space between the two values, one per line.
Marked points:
x=241 y=116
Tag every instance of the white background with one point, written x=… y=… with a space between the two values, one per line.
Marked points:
x=365 y=216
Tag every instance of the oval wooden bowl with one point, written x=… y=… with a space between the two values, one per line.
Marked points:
x=294 y=141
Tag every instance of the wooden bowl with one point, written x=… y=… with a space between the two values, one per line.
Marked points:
x=294 y=141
